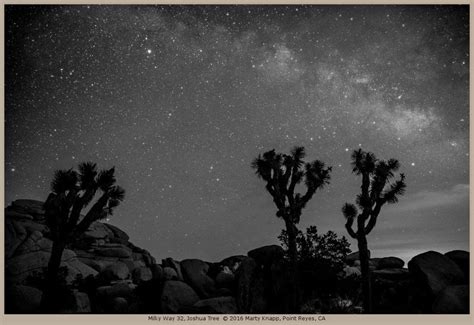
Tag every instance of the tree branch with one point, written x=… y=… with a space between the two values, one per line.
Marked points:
x=349 y=223
x=373 y=216
x=93 y=214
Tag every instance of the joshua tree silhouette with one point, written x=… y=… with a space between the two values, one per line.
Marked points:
x=72 y=191
x=282 y=173
x=377 y=189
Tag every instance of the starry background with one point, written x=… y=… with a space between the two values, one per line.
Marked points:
x=182 y=98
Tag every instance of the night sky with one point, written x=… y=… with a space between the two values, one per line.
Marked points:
x=181 y=99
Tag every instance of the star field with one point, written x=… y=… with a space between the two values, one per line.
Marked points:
x=182 y=98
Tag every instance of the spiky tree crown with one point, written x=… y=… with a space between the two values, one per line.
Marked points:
x=283 y=172
x=378 y=187
x=72 y=191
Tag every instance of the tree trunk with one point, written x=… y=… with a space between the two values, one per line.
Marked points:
x=50 y=301
x=364 y=266
x=292 y=252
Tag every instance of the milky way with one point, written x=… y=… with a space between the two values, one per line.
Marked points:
x=181 y=99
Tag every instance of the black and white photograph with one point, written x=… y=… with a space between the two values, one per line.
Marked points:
x=283 y=160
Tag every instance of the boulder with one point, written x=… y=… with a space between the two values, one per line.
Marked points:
x=139 y=264
x=435 y=271
x=169 y=273
x=15 y=234
x=31 y=226
x=116 y=271
x=352 y=257
x=141 y=274
x=20 y=267
x=35 y=242
x=452 y=300
x=157 y=271
x=76 y=267
x=373 y=264
x=96 y=264
x=169 y=262
x=97 y=230
x=461 y=258
x=80 y=304
x=250 y=288
x=176 y=295
x=95 y=234
x=114 y=250
x=141 y=260
x=392 y=274
x=218 y=305
x=390 y=263
x=21 y=299
x=118 y=305
x=17 y=231
x=29 y=206
x=233 y=262
x=214 y=269
x=225 y=278
x=266 y=255
x=120 y=289
x=128 y=262
x=117 y=232
x=195 y=274
x=17 y=215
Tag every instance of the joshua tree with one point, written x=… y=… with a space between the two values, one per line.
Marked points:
x=282 y=173
x=378 y=187
x=73 y=191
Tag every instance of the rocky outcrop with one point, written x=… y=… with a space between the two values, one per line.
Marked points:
x=103 y=252
x=28 y=246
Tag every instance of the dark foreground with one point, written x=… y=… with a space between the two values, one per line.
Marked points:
x=103 y=272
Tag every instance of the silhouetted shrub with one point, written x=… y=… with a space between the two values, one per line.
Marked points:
x=321 y=260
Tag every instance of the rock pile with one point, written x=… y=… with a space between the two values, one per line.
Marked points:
x=432 y=283
x=106 y=273
x=103 y=252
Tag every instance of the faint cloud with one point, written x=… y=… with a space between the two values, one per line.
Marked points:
x=280 y=64
x=403 y=121
x=406 y=121
x=431 y=199
x=362 y=80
